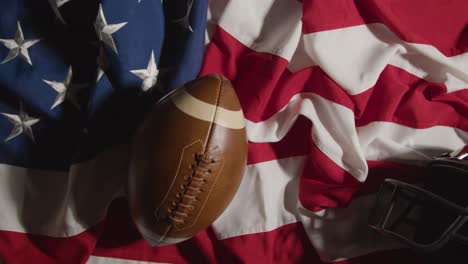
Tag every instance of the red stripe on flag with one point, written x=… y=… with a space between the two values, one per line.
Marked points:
x=18 y=247
x=417 y=21
x=405 y=99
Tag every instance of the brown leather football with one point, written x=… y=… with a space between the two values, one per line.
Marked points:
x=187 y=161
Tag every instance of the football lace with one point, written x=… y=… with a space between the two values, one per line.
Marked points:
x=193 y=185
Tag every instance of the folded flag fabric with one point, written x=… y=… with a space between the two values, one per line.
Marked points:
x=337 y=96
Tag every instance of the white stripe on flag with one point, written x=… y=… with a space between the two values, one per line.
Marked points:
x=267 y=199
x=385 y=141
x=61 y=204
x=272 y=26
x=108 y=260
x=344 y=55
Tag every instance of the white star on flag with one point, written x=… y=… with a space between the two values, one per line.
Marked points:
x=184 y=21
x=56 y=4
x=22 y=123
x=66 y=90
x=18 y=46
x=102 y=63
x=61 y=2
x=105 y=31
x=148 y=75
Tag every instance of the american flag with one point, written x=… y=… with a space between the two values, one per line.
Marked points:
x=337 y=95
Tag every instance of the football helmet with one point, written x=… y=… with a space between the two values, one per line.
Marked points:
x=426 y=216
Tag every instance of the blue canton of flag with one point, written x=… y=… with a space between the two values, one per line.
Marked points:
x=77 y=76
